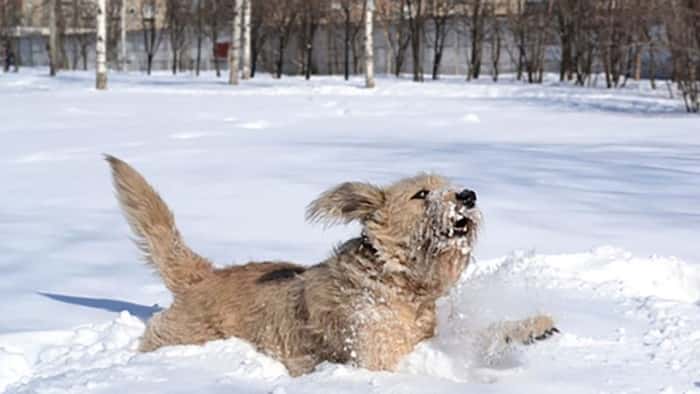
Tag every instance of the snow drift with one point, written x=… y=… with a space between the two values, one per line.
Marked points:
x=558 y=169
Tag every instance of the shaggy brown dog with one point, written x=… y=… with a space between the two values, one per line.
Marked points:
x=368 y=304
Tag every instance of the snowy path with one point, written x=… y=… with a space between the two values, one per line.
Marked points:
x=558 y=170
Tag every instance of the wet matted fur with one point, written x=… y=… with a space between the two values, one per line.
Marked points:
x=368 y=304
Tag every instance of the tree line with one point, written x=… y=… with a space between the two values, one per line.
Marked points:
x=618 y=39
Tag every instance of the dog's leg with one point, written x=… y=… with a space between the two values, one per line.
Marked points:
x=525 y=331
x=300 y=365
x=496 y=341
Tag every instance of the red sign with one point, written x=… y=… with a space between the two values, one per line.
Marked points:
x=221 y=50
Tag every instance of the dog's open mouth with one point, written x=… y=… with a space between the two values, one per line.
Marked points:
x=461 y=227
x=457 y=222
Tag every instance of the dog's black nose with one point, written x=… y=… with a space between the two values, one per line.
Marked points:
x=468 y=197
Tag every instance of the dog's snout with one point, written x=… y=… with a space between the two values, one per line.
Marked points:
x=468 y=197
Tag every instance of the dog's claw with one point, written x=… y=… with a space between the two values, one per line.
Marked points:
x=530 y=340
x=530 y=331
x=547 y=334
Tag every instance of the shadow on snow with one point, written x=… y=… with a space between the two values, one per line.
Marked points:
x=143 y=312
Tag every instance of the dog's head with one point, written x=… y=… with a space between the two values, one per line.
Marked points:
x=421 y=227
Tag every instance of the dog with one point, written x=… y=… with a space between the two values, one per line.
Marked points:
x=369 y=304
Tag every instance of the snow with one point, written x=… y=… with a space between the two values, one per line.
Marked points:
x=589 y=196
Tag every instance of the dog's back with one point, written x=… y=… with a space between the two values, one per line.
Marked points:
x=259 y=302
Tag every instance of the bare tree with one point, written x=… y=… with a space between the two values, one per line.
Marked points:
x=614 y=39
x=357 y=37
x=529 y=25
x=621 y=38
x=495 y=34
x=682 y=25
x=585 y=43
x=4 y=26
x=439 y=14
x=348 y=8
x=5 y=45
x=566 y=20
x=369 y=44
x=312 y=12
x=577 y=30
x=652 y=36
x=152 y=35
x=638 y=25
x=4 y=36
x=199 y=33
x=235 y=48
x=122 y=31
x=83 y=19
x=101 y=50
x=53 y=37
x=476 y=28
x=113 y=16
x=539 y=31
x=416 y=23
x=247 y=39
x=283 y=17
x=62 y=27
x=393 y=18
x=10 y=18
x=260 y=32
x=215 y=16
x=331 y=30
x=177 y=17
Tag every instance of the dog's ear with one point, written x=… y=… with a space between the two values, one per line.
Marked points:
x=346 y=202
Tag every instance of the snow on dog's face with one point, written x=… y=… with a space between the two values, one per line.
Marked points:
x=422 y=228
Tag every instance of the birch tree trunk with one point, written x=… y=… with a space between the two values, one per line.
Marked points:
x=235 y=49
x=369 y=44
x=122 y=21
x=53 y=39
x=247 y=6
x=101 y=50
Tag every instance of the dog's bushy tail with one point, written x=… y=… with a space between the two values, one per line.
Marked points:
x=155 y=230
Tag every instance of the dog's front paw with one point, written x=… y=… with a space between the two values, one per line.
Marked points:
x=527 y=331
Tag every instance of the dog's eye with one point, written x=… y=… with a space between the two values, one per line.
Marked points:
x=421 y=195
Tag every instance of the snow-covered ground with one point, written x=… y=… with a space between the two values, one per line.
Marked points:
x=591 y=199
